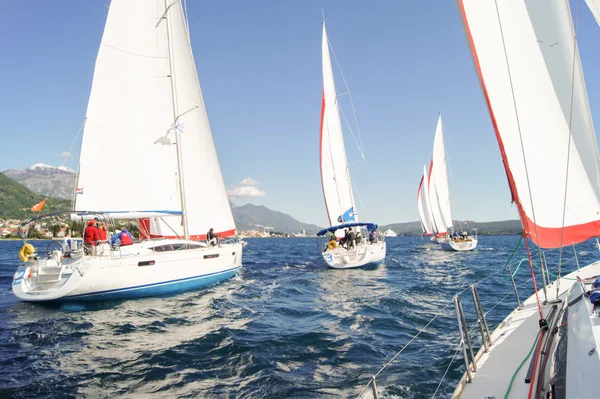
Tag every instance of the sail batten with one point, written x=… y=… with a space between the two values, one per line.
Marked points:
x=523 y=53
x=335 y=174
x=130 y=116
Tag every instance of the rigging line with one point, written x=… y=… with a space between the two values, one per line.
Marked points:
x=437 y=315
x=360 y=149
x=534 y=280
x=512 y=90
x=364 y=208
x=406 y=346
x=447 y=369
x=67 y=155
x=185 y=16
x=349 y=95
x=570 y=135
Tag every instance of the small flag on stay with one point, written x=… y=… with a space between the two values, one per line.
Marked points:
x=38 y=207
x=79 y=190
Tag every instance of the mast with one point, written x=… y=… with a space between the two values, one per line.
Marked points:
x=175 y=128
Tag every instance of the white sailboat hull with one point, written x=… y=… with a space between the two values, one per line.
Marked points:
x=363 y=255
x=130 y=272
x=459 y=245
x=514 y=337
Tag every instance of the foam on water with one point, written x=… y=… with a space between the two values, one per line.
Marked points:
x=286 y=326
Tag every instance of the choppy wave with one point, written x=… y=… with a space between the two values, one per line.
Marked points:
x=285 y=327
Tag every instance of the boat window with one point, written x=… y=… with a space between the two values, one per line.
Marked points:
x=163 y=248
x=146 y=263
x=211 y=256
x=175 y=247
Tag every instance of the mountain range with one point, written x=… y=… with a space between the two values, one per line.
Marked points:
x=499 y=227
x=46 y=180
x=257 y=217
x=41 y=180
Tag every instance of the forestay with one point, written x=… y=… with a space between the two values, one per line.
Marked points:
x=128 y=156
x=335 y=174
x=530 y=72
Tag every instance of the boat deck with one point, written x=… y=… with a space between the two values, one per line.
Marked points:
x=511 y=343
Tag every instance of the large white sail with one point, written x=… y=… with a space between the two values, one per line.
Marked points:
x=530 y=72
x=440 y=175
x=424 y=205
x=594 y=6
x=335 y=174
x=128 y=158
x=439 y=192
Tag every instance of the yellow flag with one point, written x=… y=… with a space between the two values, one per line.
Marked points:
x=38 y=207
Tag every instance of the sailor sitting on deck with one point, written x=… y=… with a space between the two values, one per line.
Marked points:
x=125 y=237
x=91 y=237
x=349 y=239
x=359 y=237
x=211 y=238
x=332 y=243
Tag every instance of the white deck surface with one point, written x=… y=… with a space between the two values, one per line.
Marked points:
x=511 y=342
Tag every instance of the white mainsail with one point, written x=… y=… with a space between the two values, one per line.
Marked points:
x=424 y=205
x=335 y=174
x=439 y=192
x=594 y=6
x=530 y=73
x=135 y=62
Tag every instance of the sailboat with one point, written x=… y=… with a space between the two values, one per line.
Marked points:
x=390 y=233
x=449 y=237
x=351 y=251
x=527 y=59
x=146 y=112
x=424 y=206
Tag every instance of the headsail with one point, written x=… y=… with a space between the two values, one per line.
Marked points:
x=441 y=174
x=424 y=205
x=439 y=192
x=594 y=6
x=335 y=174
x=130 y=119
x=523 y=53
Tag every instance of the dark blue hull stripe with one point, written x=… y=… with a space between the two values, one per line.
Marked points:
x=161 y=288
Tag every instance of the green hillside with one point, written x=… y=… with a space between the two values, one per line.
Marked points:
x=16 y=200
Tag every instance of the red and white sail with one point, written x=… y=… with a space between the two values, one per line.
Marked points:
x=439 y=193
x=424 y=205
x=128 y=161
x=528 y=64
x=335 y=174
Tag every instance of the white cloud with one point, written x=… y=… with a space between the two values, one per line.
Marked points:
x=65 y=154
x=246 y=189
x=248 y=181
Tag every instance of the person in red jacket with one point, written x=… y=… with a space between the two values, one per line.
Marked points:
x=102 y=232
x=91 y=237
x=125 y=237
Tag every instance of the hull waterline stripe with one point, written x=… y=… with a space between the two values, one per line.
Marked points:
x=137 y=287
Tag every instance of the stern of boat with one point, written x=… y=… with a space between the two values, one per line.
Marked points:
x=365 y=255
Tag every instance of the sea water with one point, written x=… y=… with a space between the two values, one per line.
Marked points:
x=285 y=327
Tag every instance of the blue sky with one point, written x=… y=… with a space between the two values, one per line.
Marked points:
x=259 y=64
